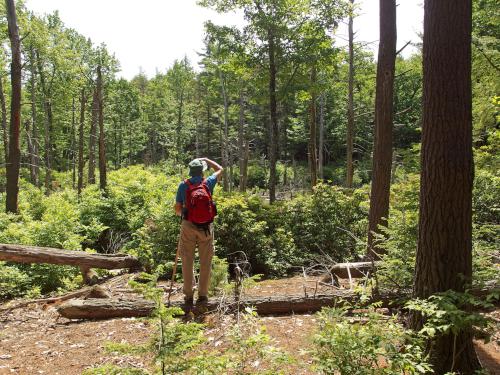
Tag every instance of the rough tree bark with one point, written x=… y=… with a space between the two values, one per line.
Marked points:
x=93 y=135
x=273 y=131
x=312 y=149
x=350 y=103
x=13 y=164
x=3 y=106
x=444 y=255
x=102 y=141
x=382 y=145
x=80 y=142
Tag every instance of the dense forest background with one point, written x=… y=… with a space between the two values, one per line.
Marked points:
x=77 y=116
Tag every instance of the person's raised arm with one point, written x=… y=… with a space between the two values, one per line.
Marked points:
x=218 y=170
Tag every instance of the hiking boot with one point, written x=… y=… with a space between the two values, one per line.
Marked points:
x=202 y=300
x=188 y=303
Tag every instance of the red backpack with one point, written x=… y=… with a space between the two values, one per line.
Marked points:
x=199 y=204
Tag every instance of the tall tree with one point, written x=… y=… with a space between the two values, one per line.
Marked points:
x=49 y=119
x=102 y=142
x=80 y=141
x=14 y=160
x=384 y=108
x=444 y=255
x=321 y=143
x=313 y=161
x=34 y=154
x=93 y=135
x=350 y=102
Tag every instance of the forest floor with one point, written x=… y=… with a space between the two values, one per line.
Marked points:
x=36 y=340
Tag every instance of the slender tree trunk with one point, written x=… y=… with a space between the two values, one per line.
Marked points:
x=31 y=152
x=384 y=108
x=246 y=156
x=4 y=123
x=321 y=145
x=73 y=144
x=93 y=135
x=209 y=120
x=47 y=125
x=350 y=104
x=129 y=145
x=35 y=159
x=179 y=127
x=313 y=162
x=80 y=142
x=13 y=164
x=225 y=140
x=241 y=142
x=102 y=140
x=273 y=133
x=444 y=255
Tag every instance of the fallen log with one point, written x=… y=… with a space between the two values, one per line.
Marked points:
x=87 y=292
x=96 y=308
x=277 y=305
x=350 y=270
x=113 y=308
x=36 y=254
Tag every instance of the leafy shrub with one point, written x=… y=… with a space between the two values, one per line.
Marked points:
x=328 y=221
x=219 y=275
x=257 y=176
x=376 y=346
x=13 y=282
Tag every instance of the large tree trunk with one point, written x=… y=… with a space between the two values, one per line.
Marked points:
x=444 y=255
x=102 y=141
x=350 y=104
x=14 y=160
x=313 y=162
x=384 y=105
x=35 y=157
x=273 y=131
x=321 y=144
x=93 y=135
x=3 y=106
x=80 y=142
x=36 y=254
x=225 y=140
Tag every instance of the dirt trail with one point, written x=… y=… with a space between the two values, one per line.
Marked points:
x=35 y=340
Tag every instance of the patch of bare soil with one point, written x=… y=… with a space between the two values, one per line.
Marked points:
x=35 y=340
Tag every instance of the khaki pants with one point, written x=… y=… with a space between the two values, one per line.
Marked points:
x=191 y=236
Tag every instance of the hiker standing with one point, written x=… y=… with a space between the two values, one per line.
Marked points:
x=195 y=205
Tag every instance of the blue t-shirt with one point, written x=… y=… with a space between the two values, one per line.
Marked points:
x=181 y=191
